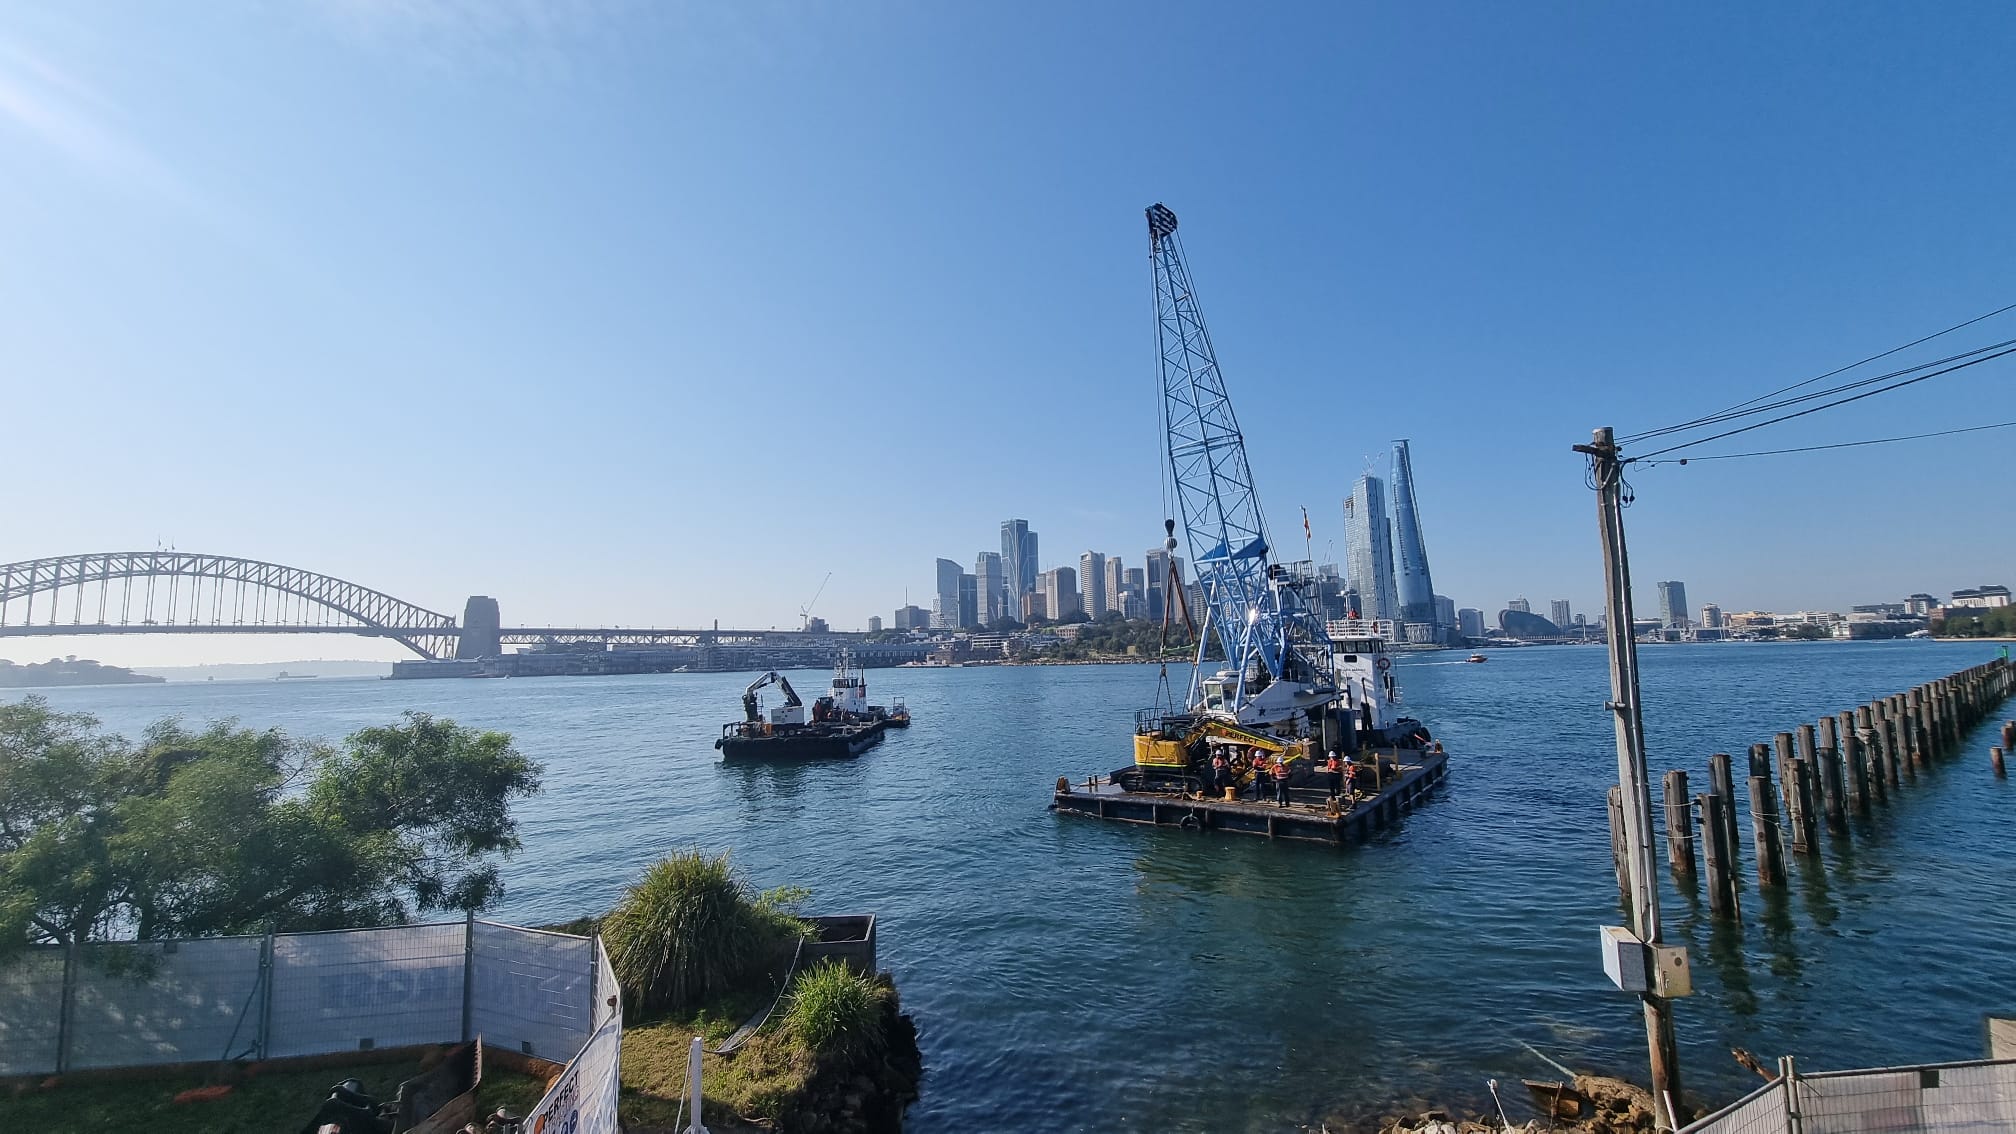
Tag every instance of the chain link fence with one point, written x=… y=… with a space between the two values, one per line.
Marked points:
x=1949 y=1098
x=137 y=1004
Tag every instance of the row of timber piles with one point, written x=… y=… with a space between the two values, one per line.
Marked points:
x=1852 y=764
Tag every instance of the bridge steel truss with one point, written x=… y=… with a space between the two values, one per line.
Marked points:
x=189 y=593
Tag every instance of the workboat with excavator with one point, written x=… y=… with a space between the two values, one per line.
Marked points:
x=840 y=724
x=1287 y=731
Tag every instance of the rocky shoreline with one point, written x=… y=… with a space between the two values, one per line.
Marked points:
x=1590 y=1104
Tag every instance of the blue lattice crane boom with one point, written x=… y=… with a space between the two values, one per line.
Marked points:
x=1261 y=620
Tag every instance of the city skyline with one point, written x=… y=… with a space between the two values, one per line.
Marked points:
x=615 y=240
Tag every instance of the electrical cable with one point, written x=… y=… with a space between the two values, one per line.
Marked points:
x=1837 y=445
x=1829 y=374
x=1822 y=406
x=1716 y=419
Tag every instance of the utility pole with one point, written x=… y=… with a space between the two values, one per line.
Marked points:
x=1625 y=710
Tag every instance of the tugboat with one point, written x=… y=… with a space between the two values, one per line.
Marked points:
x=1289 y=696
x=1476 y=658
x=842 y=724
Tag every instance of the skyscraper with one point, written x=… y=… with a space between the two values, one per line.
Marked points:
x=1018 y=562
x=945 y=600
x=1060 y=593
x=1092 y=569
x=1410 y=557
x=1559 y=615
x=1134 y=592
x=1445 y=611
x=969 y=601
x=991 y=588
x=1368 y=550
x=1711 y=616
x=1471 y=621
x=1116 y=584
x=1673 y=605
x=1520 y=604
x=1156 y=564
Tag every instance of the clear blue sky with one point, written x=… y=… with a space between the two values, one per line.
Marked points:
x=655 y=313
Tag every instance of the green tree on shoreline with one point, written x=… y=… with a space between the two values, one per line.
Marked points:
x=231 y=830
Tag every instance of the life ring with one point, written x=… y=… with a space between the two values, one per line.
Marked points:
x=1189 y=822
x=1385 y=664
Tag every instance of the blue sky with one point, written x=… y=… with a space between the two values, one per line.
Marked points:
x=656 y=313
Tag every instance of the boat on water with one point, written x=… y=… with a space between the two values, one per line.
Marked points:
x=839 y=724
x=1280 y=696
x=1476 y=658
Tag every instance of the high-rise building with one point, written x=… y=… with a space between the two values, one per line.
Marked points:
x=1673 y=604
x=1470 y=621
x=1156 y=567
x=1092 y=569
x=969 y=601
x=990 y=586
x=945 y=600
x=1711 y=616
x=1059 y=586
x=874 y=624
x=1415 y=589
x=1033 y=608
x=1520 y=604
x=1018 y=562
x=1134 y=589
x=1559 y=614
x=1116 y=582
x=1445 y=611
x=912 y=618
x=1368 y=549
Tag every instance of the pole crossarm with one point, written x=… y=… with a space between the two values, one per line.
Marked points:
x=223 y=593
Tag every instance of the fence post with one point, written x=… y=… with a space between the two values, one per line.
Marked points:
x=594 y=983
x=1788 y=1074
x=468 y=973
x=66 y=1010
x=265 y=995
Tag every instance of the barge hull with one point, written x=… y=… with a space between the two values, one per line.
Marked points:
x=1307 y=820
x=787 y=747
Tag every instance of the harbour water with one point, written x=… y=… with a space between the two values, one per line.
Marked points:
x=1077 y=975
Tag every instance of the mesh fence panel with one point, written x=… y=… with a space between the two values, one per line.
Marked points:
x=1761 y=1112
x=31 y=1008
x=608 y=994
x=1959 y=1099
x=530 y=990
x=165 y=1002
x=366 y=988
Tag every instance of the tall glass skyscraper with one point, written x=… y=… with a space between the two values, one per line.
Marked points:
x=1673 y=604
x=991 y=588
x=1416 y=589
x=1018 y=564
x=1368 y=550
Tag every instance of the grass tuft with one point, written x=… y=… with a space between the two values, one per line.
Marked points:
x=836 y=1011
x=691 y=928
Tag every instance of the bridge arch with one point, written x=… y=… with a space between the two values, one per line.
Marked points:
x=205 y=594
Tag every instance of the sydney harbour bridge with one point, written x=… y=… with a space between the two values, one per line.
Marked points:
x=180 y=592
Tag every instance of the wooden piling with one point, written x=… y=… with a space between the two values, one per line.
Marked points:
x=1853 y=767
x=1679 y=825
x=1870 y=725
x=1721 y=885
x=1995 y=760
x=1764 y=831
x=1799 y=793
x=1781 y=746
x=1722 y=783
x=2008 y=735
x=1760 y=760
x=1919 y=716
x=1826 y=765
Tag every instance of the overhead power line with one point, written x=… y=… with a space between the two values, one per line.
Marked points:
x=1836 y=445
x=1824 y=405
x=1742 y=408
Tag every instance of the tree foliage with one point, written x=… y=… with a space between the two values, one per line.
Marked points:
x=1995 y=622
x=232 y=830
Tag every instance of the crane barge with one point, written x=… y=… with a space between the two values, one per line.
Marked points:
x=1287 y=695
x=841 y=722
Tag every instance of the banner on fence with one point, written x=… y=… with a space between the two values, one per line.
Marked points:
x=583 y=1098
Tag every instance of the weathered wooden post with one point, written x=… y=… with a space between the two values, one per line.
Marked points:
x=1721 y=887
x=1679 y=825
x=1995 y=759
x=1900 y=736
x=2008 y=735
x=1826 y=764
x=1805 y=824
x=1722 y=783
x=1764 y=830
x=1617 y=856
x=1869 y=724
x=1853 y=763
x=1918 y=708
x=1781 y=745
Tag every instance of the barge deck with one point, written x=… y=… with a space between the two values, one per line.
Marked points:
x=1307 y=817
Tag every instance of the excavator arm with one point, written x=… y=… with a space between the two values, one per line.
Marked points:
x=771 y=678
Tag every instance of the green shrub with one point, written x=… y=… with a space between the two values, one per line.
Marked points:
x=835 y=1010
x=691 y=928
